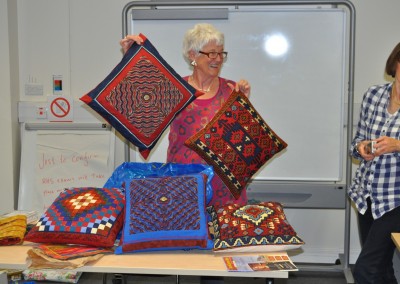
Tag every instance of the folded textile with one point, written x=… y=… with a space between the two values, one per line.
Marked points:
x=37 y=259
x=64 y=252
x=52 y=275
x=12 y=229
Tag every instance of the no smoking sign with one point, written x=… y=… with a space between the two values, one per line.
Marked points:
x=60 y=109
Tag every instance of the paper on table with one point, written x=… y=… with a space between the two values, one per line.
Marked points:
x=263 y=262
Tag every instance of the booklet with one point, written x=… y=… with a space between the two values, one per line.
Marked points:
x=263 y=262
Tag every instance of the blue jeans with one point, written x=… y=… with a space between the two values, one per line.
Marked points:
x=375 y=262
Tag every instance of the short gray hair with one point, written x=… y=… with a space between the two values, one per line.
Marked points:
x=200 y=35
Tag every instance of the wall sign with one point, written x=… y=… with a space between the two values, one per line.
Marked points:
x=60 y=109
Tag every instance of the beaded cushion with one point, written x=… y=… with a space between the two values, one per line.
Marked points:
x=83 y=216
x=141 y=96
x=165 y=213
x=237 y=142
x=259 y=227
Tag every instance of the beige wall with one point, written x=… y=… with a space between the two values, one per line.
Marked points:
x=9 y=128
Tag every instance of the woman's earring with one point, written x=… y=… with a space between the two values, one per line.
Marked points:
x=193 y=63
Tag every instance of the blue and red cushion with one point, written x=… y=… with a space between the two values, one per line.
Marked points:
x=165 y=213
x=136 y=170
x=141 y=96
x=237 y=142
x=83 y=216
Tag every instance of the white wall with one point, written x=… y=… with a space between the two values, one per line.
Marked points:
x=58 y=36
x=8 y=127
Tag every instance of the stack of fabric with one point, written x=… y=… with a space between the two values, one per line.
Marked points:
x=49 y=256
x=12 y=229
x=48 y=262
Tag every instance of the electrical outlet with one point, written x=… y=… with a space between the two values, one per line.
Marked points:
x=41 y=112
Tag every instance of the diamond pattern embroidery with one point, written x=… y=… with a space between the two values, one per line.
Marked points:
x=83 y=216
x=77 y=204
x=237 y=142
x=253 y=213
x=80 y=211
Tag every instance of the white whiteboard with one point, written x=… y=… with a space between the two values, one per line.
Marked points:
x=300 y=95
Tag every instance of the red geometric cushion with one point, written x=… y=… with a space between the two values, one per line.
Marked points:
x=82 y=216
x=141 y=96
x=252 y=228
x=237 y=142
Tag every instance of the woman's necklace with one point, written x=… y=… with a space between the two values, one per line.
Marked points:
x=200 y=89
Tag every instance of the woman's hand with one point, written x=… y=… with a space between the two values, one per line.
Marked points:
x=385 y=145
x=127 y=42
x=242 y=86
x=362 y=149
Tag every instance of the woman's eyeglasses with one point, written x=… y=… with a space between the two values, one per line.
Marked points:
x=214 y=55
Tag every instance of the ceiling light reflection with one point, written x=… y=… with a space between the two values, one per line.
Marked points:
x=276 y=45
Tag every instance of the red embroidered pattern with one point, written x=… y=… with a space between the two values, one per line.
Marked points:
x=141 y=96
x=237 y=143
x=251 y=225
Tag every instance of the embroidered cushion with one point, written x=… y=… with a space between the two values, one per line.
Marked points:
x=83 y=216
x=261 y=227
x=165 y=213
x=133 y=170
x=237 y=142
x=141 y=96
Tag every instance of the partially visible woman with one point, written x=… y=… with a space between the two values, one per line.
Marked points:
x=375 y=190
x=203 y=48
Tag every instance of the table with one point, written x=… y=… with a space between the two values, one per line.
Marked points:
x=193 y=263
x=396 y=239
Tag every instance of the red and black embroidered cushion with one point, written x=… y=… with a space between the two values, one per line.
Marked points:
x=165 y=213
x=82 y=216
x=252 y=228
x=141 y=96
x=237 y=142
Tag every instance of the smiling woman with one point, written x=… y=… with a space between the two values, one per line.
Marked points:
x=203 y=49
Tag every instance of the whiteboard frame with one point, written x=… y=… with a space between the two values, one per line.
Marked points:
x=344 y=266
x=302 y=91
x=258 y=184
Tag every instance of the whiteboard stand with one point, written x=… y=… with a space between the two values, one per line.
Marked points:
x=151 y=6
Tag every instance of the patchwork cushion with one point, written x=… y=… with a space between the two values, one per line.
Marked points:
x=237 y=142
x=165 y=213
x=141 y=96
x=259 y=227
x=83 y=216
